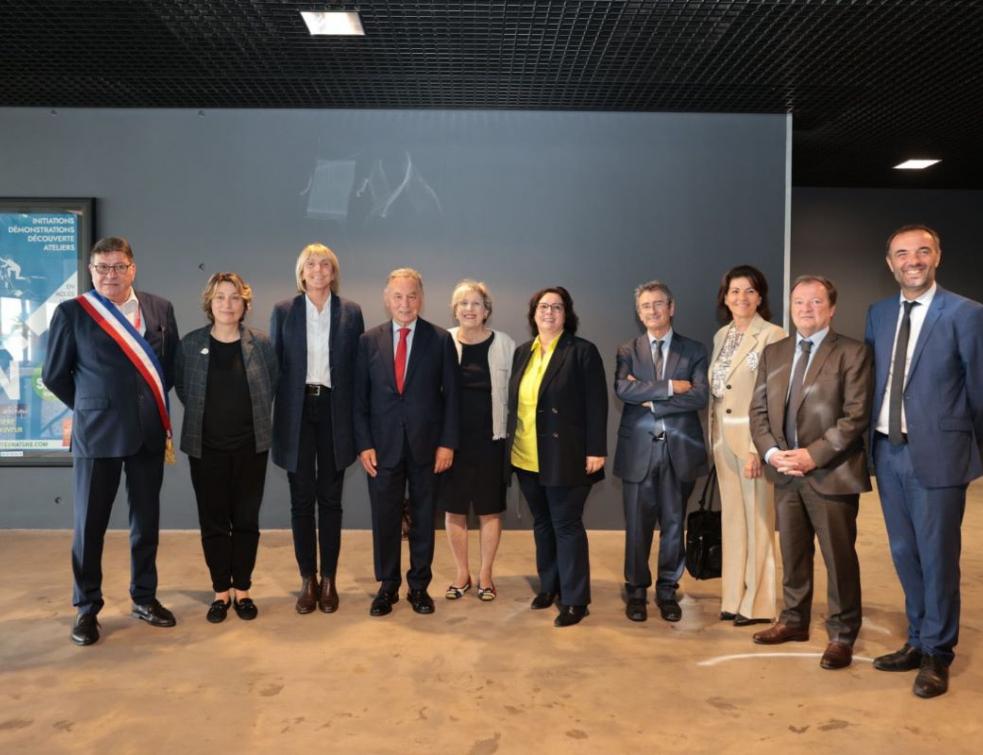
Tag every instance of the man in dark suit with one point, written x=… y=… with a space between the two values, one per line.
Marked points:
x=120 y=422
x=810 y=408
x=315 y=335
x=406 y=426
x=661 y=377
x=926 y=444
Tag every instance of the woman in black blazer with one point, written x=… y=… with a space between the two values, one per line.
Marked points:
x=315 y=335
x=557 y=437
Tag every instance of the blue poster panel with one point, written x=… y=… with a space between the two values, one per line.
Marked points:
x=42 y=246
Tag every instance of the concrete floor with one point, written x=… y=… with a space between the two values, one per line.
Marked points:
x=474 y=678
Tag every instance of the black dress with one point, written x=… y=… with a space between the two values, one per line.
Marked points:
x=476 y=479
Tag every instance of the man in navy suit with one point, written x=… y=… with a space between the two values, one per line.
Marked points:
x=661 y=377
x=118 y=424
x=406 y=428
x=926 y=444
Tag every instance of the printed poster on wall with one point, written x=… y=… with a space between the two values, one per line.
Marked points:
x=42 y=248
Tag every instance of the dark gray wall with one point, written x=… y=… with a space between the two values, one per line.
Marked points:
x=841 y=233
x=595 y=202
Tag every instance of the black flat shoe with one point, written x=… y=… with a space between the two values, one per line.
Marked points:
x=744 y=621
x=570 y=615
x=636 y=609
x=669 y=610
x=382 y=603
x=421 y=601
x=905 y=659
x=86 y=629
x=933 y=677
x=245 y=609
x=727 y=616
x=218 y=610
x=543 y=600
x=154 y=614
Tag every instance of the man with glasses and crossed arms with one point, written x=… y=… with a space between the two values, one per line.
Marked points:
x=110 y=359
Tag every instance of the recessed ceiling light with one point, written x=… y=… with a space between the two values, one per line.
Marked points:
x=337 y=23
x=915 y=164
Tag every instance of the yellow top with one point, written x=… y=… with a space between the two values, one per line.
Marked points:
x=525 y=452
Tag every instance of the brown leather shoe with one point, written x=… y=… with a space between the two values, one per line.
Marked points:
x=837 y=655
x=328 y=599
x=307 y=601
x=779 y=633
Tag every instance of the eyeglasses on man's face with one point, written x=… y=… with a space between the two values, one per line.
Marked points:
x=103 y=269
x=651 y=306
x=546 y=307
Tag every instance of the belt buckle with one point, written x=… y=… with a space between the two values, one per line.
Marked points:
x=313 y=389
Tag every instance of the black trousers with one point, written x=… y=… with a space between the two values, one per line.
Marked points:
x=96 y=483
x=229 y=490
x=316 y=481
x=562 y=556
x=386 y=493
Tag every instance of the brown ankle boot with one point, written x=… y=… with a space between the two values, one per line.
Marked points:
x=307 y=601
x=328 y=600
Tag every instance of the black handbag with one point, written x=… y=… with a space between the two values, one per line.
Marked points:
x=703 y=542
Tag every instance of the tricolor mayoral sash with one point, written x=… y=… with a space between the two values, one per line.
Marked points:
x=135 y=348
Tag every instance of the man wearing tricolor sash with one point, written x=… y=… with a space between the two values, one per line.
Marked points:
x=110 y=359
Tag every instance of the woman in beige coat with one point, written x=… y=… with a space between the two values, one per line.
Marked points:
x=746 y=498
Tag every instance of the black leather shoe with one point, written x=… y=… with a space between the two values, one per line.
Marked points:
x=421 y=601
x=246 y=609
x=670 y=610
x=543 y=600
x=218 y=610
x=636 y=610
x=933 y=677
x=905 y=659
x=86 y=629
x=154 y=614
x=382 y=603
x=727 y=616
x=570 y=615
x=744 y=621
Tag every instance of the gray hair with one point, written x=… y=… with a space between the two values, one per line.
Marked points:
x=654 y=285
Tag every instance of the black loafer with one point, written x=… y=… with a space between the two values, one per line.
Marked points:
x=421 y=601
x=570 y=615
x=543 y=600
x=905 y=659
x=744 y=621
x=669 y=609
x=382 y=603
x=154 y=614
x=933 y=677
x=636 y=609
x=246 y=609
x=218 y=610
x=85 y=630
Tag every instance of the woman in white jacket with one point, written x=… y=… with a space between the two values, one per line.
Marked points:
x=476 y=481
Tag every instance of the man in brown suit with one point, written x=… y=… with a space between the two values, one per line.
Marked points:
x=808 y=415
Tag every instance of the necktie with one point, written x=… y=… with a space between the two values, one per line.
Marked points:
x=795 y=394
x=660 y=425
x=897 y=377
x=400 y=365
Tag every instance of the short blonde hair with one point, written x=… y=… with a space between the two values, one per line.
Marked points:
x=405 y=272
x=242 y=288
x=466 y=285
x=317 y=250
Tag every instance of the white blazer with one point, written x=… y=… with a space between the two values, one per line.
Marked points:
x=500 y=354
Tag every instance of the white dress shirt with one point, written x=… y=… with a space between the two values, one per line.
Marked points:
x=131 y=311
x=917 y=320
x=318 y=343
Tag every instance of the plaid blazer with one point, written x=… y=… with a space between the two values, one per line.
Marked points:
x=191 y=383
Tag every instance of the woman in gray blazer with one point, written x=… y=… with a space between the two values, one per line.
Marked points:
x=225 y=375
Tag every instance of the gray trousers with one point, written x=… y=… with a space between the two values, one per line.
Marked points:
x=805 y=515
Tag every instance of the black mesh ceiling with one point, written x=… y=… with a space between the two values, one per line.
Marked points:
x=869 y=82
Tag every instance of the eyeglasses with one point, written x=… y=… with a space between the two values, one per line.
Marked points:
x=653 y=305
x=544 y=308
x=119 y=268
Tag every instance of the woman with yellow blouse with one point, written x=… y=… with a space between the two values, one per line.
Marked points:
x=746 y=498
x=557 y=436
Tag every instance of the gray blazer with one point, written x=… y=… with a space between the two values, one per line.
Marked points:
x=191 y=382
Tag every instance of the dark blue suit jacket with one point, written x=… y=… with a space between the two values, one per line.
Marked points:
x=943 y=397
x=427 y=411
x=288 y=332
x=687 y=360
x=114 y=410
